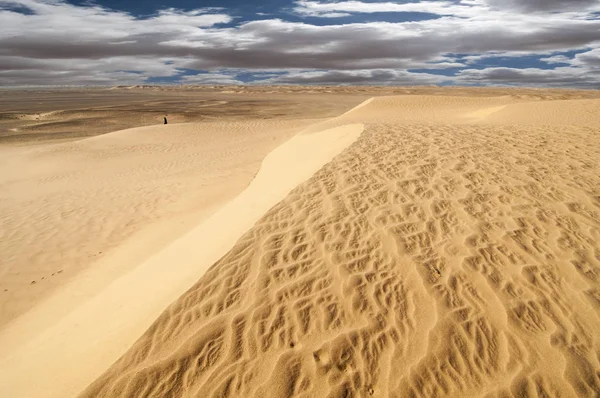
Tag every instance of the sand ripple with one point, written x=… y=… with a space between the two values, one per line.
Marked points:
x=434 y=257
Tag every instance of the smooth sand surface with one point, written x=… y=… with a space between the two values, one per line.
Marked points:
x=77 y=216
x=80 y=341
x=67 y=206
x=451 y=250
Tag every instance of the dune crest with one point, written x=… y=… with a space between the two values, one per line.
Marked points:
x=110 y=201
x=435 y=256
x=105 y=325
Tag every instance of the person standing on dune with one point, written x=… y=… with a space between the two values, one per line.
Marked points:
x=165 y=119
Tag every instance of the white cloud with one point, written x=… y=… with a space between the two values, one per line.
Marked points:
x=58 y=41
x=55 y=17
x=345 y=8
x=558 y=77
x=211 y=78
x=540 y=6
x=589 y=59
x=357 y=77
x=557 y=59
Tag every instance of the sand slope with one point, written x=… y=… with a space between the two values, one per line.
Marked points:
x=64 y=207
x=450 y=251
x=76 y=217
x=79 y=341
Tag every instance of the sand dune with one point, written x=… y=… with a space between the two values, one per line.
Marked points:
x=450 y=251
x=66 y=206
x=112 y=306
x=78 y=216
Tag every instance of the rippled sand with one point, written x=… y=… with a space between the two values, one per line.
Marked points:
x=451 y=250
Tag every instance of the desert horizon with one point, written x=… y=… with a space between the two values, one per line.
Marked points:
x=315 y=241
x=300 y=198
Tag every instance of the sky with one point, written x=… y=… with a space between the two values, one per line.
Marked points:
x=535 y=43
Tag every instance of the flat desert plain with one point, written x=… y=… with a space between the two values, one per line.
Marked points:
x=299 y=241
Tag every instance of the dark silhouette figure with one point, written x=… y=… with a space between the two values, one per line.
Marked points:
x=165 y=119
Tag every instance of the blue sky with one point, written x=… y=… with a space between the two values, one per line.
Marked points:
x=540 y=43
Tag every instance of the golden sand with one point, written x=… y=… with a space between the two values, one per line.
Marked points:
x=450 y=251
x=416 y=245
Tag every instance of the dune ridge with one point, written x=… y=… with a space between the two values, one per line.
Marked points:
x=438 y=255
x=80 y=344
x=72 y=206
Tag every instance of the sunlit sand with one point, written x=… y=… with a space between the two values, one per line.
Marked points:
x=438 y=243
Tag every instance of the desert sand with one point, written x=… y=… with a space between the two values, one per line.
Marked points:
x=433 y=244
x=70 y=204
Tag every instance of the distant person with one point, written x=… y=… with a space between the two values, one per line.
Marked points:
x=165 y=119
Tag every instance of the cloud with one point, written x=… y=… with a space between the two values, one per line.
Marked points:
x=558 y=77
x=464 y=9
x=590 y=59
x=544 y=5
x=377 y=45
x=211 y=78
x=56 y=43
x=357 y=77
x=345 y=8
x=34 y=77
x=60 y=43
